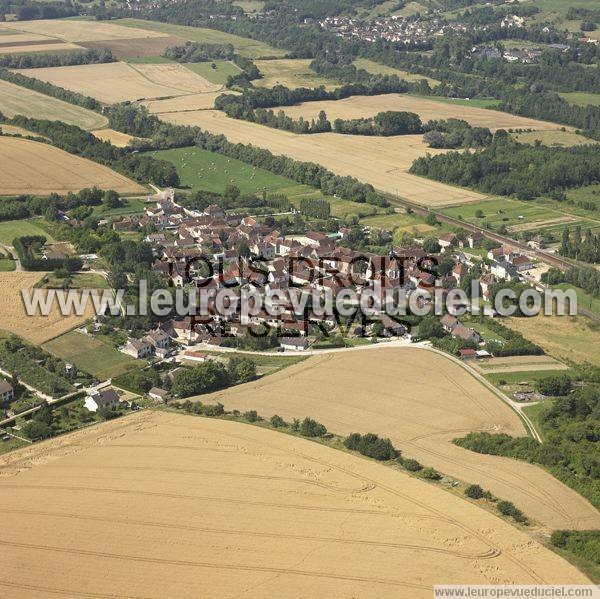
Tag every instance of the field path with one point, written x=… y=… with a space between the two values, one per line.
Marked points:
x=181 y=506
x=394 y=395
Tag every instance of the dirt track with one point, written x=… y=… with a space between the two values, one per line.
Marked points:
x=422 y=401
x=167 y=505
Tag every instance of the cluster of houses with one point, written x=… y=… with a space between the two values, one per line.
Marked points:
x=313 y=263
x=523 y=55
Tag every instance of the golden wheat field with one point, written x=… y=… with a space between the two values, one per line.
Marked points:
x=79 y=31
x=116 y=138
x=14 y=319
x=119 y=82
x=166 y=505
x=38 y=168
x=28 y=48
x=203 y=101
x=390 y=391
x=357 y=107
x=20 y=100
x=389 y=158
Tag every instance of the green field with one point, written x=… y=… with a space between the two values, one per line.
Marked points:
x=203 y=170
x=7 y=265
x=265 y=364
x=148 y=60
x=250 y=6
x=381 y=69
x=99 y=359
x=88 y=280
x=564 y=139
x=242 y=45
x=218 y=75
x=401 y=220
x=475 y=102
x=20 y=100
x=581 y=98
x=130 y=206
x=585 y=300
x=20 y=228
x=502 y=211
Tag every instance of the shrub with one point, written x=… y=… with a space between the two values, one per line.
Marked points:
x=474 y=492
x=312 y=428
x=251 y=416
x=277 y=421
x=412 y=465
x=431 y=474
x=507 y=508
x=372 y=446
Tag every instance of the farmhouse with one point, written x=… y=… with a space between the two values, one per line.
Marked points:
x=102 y=400
x=6 y=392
x=138 y=348
x=157 y=393
x=294 y=343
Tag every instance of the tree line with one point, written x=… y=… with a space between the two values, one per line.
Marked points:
x=579 y=245
x=199 y=52
x=42 y=60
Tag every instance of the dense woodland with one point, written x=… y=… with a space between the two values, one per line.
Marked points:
x=507 y=167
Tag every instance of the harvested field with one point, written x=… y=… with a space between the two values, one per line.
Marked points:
x=136 y=47
x=20 y=100
x=246 y=511
x=390 y=391
x=291 y=72
x=80 y=31
x=558 y=139
x=389 y=158
x=381 y=69
x=116 y=138
x=518 y=364
x=572 y=338
x=189 y=102
x=39 y=168
x=16 y=38
x=13 y=318
x=243 y=45
x=365 y=106
x=119 y=82
x=27 y=48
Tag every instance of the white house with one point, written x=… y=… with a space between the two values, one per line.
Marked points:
x=138 y=348
x=104 y=399
x=294 y=343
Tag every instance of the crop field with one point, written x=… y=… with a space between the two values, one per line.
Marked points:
x=11 y=229
x=219 y=74
x=203 y=170
x=116 y=138
x=190 y=102
x=514 y=214
x=381 y=69
x=252 y=509
x=38 y=168
x=291 y=72
x=14 y=319
x=571 y=338
x=28 y=48
x=80 y=30
x=92 y=356
x=390 y=391
x=20 y=100
x=518 y=364
x=559 y=139
x=244 y=46
x=119 y=82
x=365 y=106
x=389 y=158
x=139 y=47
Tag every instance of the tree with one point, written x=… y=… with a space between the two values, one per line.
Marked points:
x=204 y=378
x=112 y=200
x=431 y=245
x=431 y=328
x=554 y=385
x=36 y=430
x=241 y=370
